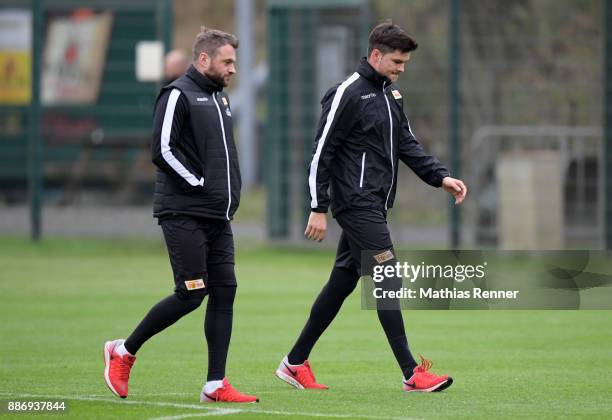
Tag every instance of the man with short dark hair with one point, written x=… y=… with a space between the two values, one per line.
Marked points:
x=362 y=133
x=197 y=191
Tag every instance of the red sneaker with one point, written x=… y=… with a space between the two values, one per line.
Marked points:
x=227 y=393
x=117 y=368
x=299 y=376
x=424 y=381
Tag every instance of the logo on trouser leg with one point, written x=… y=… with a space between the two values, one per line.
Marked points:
x=195 y=284
x=384 y=256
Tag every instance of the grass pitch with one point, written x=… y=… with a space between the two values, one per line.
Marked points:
x=62 y=298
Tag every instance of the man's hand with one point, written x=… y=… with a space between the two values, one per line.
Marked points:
x=317 y=226
x=456 y=187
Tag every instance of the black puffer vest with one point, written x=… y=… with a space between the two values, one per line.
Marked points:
x=207 y=143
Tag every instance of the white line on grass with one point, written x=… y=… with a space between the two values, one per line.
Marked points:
x=203 y=407
x=285 y=413
x=329 y=415
x=216 y=412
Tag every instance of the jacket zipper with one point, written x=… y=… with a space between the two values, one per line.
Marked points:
x=391 y=143
x=229 y=186
x=362 y=169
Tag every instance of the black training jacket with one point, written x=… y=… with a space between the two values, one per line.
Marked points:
x=362 y=133
x=194 y=151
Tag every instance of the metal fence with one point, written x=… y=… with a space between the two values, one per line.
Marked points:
x=508 y=69
x=82 y=151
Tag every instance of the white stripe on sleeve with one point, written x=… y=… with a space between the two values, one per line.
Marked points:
x=165 y=142
x=312 y=178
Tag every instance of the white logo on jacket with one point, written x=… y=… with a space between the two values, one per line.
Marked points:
x=369 y=96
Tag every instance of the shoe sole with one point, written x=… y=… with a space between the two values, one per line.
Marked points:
x=209 y=401
x=107 y=353
x=444 y=385
x=286 y=378
x=436 y=388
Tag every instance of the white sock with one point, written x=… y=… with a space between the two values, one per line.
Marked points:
x=122 y=350
x=211 y=386
x=286 y=360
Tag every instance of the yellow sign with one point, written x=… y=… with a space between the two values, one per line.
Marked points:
x=15 y=56
x=15 y=77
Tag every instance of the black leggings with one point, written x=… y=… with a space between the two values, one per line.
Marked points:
x=217 y=323
x=341 y=284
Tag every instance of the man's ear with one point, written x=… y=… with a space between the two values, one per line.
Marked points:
x=204 y=60
x=376 y=55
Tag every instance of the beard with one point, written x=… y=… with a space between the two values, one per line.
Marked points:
x=216 y=77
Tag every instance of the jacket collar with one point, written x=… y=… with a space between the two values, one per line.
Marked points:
x=202 y=81
x=367 y=71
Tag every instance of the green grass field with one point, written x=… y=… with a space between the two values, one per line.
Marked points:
x=62 y=298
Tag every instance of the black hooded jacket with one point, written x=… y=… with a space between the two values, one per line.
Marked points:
x=361 y=134
x=194 y=151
